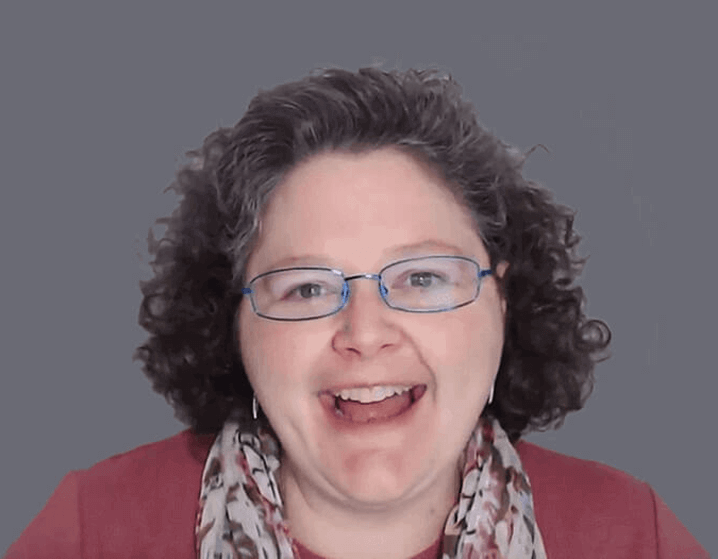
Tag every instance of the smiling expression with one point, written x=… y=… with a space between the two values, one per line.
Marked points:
x=358 y=213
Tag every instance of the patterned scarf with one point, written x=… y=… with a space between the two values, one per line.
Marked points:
x=240 y=509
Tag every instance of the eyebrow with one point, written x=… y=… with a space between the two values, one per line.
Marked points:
x=393 y=252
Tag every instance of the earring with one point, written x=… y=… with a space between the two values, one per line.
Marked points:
x=255 y=406
x=491 y=394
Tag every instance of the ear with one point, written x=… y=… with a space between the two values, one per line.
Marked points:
x=501 y=268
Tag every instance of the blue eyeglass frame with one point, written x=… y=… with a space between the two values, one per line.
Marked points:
x=481 y=273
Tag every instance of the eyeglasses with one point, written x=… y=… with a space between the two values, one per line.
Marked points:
x=421 y=285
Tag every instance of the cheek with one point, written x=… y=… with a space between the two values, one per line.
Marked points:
x=464 y=349
x=273 y=353
x=255 y=346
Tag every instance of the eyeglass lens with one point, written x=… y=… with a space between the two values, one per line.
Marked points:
x=420 y=285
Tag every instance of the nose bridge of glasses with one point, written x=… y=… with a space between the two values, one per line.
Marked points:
x=376 y=277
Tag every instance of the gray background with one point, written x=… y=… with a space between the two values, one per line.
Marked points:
x=99 y=102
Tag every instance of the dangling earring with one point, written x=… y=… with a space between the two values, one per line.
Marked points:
x=491 y=394
x=255 y=406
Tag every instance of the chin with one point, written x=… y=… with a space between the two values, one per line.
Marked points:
x=378 y=496
x=379 y=480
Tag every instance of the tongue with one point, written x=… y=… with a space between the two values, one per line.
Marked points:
x=375 y=411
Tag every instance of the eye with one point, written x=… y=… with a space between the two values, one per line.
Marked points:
x=306 y=291
x=423 y=279
x=420 y=280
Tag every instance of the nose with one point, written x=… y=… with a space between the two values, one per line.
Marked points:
x=365 y=324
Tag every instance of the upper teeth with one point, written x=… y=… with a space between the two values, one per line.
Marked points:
x=372 y=394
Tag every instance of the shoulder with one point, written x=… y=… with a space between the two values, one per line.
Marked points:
x=173 y=456
x=140 y=503
x=146 y=495
x=589 y=509
x=559 y=477
x=143 y=474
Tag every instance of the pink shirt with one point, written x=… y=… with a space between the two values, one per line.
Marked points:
x=143 y=504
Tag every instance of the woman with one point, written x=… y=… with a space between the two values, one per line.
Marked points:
x=359 y=307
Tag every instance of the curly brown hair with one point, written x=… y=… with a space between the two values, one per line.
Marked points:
x=189 y=306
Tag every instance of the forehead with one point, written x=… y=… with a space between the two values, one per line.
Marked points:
x=350 y=209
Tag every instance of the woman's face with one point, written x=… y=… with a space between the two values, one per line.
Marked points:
x=358 y=213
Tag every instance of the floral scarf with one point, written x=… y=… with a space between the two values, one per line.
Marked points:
x=240 y=508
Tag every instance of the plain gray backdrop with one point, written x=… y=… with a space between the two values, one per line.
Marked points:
x=99 y=102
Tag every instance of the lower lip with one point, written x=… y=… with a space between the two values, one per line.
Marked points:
x=342 y=424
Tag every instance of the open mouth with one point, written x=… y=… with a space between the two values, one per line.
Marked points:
x=373 y=405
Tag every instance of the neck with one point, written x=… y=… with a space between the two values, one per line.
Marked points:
x=337 y=529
